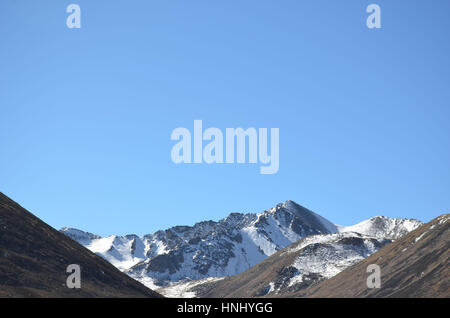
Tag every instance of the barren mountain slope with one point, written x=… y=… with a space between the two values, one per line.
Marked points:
x=34 y=258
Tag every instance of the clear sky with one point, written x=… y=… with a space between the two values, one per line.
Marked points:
x=86 y=114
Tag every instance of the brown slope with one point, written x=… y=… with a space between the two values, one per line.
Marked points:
x=416 y=265
x=34 y=258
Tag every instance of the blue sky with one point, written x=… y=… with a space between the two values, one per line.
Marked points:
x=86 y=114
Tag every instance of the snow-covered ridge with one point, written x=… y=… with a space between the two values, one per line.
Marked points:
x=383 y=227
x=322 y=239
x=78 y=235
x=323 y=256
x=223 y=248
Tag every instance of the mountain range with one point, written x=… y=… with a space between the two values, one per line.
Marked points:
x=286 y=251
x=416 y=264
x=289 y=245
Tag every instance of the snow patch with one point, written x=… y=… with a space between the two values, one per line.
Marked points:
x=183 y=289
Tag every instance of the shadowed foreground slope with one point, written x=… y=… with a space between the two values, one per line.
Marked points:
x=416 y=265
x=34 y=258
